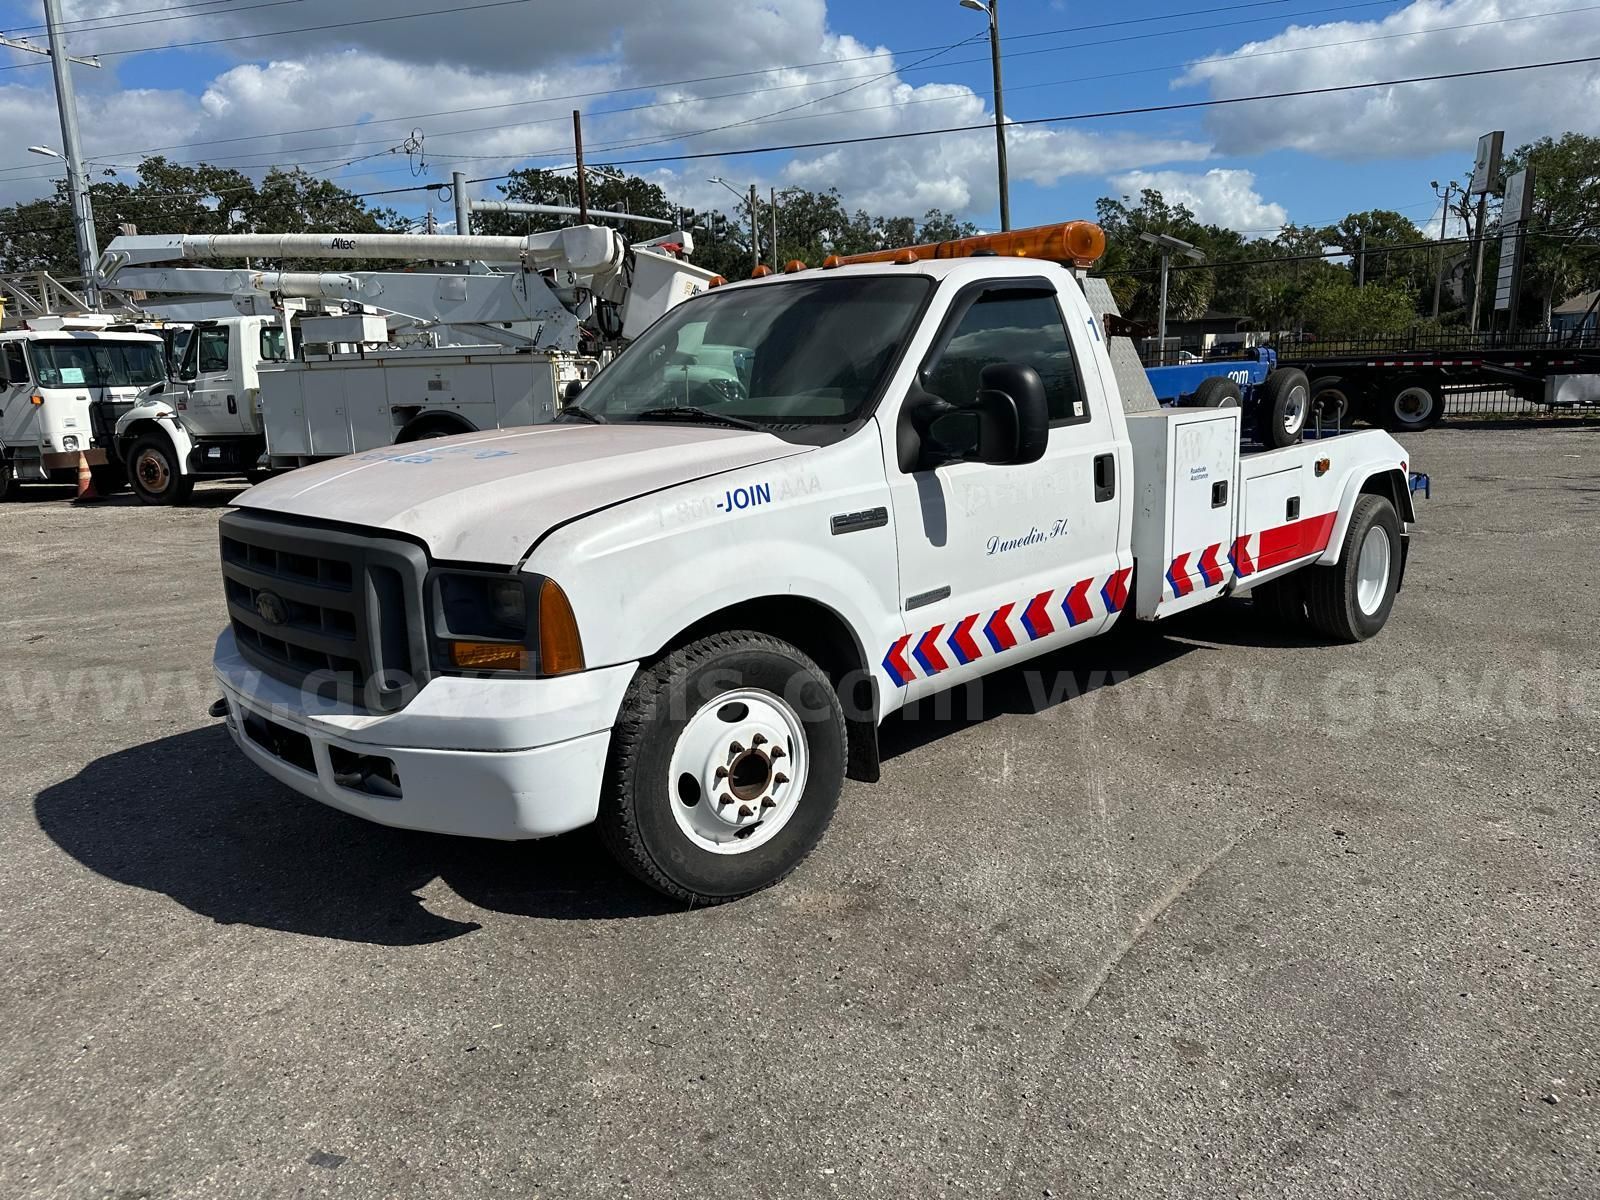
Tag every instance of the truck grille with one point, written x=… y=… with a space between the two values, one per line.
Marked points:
x=336 y=613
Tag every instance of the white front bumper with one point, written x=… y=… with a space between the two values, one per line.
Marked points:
x=494 y=758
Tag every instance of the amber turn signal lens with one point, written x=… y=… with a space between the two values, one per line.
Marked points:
x=560 y=648
x=488 y=656
x=36 y=399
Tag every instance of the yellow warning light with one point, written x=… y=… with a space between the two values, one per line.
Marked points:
x=1080 y=243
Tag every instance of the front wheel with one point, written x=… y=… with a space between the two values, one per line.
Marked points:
x=153 y=472
x=8 y=481
x=1351 y=600
x=725 y=767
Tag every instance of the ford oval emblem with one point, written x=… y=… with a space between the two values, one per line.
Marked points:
x=270 y=608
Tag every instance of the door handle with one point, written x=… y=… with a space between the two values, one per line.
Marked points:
x=1105 y=477
x=233 y=405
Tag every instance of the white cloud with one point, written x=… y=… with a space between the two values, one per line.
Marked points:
x=1218 y=197
x=477 y=64
x=1413 y=119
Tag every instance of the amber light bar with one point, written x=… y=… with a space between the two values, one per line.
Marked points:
x=1080 y=243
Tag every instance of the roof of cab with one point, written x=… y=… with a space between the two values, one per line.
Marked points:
x=979 y=266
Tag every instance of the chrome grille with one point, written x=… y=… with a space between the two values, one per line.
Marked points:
x=337 y=612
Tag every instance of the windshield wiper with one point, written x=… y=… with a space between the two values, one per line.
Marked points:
x=687 y=412
x=583 y=414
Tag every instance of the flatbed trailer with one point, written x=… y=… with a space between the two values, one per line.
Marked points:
x=1405 y=391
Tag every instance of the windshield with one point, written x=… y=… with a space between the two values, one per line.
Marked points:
x=86 y=363
x=792 y=355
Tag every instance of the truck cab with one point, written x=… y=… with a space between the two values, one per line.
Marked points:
x=55 y=386
x=206 y=421
x=793 y=506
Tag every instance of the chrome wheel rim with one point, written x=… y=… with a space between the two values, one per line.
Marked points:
x=1414 y=404
x=1372 y=570
x=1294 y=409
x=738 y=771
x=153 y=471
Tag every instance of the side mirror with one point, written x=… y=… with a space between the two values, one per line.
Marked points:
x=570 y=392
x=1006 y=423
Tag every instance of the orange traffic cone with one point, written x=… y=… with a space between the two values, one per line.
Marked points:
x=86 y=489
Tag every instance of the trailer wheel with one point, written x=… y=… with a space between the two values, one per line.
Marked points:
x=153 y=472
x=1218 y=391
x=1334 y=400
x=1350 y=601
x=1282 y=407
x=725 y=769
x=1415 y=405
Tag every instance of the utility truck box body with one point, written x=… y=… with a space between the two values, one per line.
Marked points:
x=791 y=508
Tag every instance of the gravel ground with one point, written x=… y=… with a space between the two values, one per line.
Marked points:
x=1204 y=913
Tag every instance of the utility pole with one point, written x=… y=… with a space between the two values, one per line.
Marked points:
x=989 y=7
x=1444 y=213
x=458 y=189
x=774 y=194
x=583 y=183
x=1477 y=273
x=755 y=235
x=1361 y=264
x=72 y=148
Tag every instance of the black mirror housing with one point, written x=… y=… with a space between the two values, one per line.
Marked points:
x=570 y=392
x=1019 y=413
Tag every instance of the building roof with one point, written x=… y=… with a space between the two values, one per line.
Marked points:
x=1576 y=306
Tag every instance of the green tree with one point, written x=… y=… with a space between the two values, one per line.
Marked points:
x=1133 y=266
x=1562 y=257
x=1337 y=309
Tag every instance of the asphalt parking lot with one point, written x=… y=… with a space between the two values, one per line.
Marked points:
x=1203 y=913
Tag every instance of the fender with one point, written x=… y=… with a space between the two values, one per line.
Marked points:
x=1386 y=461
x=155 y=411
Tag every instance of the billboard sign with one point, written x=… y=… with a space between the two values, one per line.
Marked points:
x=1514 y=216
x=1487 y=164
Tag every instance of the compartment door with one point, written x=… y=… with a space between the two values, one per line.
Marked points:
x=1202 y=501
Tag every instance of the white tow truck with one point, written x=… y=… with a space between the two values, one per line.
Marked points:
x=790 y=508
x=282 y=368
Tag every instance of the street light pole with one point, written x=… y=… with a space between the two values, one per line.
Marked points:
x=989 y=7
x=77 y=179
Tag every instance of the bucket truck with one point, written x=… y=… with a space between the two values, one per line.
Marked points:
x=275 y=369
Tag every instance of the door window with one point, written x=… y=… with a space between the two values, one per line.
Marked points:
x=1011 y=325
x=213 y=350
x=16 y=363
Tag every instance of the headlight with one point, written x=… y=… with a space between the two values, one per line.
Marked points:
x=485 y=621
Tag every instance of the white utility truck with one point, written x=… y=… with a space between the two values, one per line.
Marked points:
x=60 y=378
x=791 y=507
x=287 y=367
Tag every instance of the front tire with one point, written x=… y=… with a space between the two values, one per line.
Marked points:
x=153 y=472
x=1351 y=600
x=725 y=769
x=8 y=482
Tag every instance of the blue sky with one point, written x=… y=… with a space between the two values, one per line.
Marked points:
x=805 y=70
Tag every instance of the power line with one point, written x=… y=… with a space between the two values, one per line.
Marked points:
x=762 y=71
x=598 y=149
x=1069 y=117
x=78 y=25
x=248 y=37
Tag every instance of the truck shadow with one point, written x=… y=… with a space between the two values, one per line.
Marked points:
x=186 y=816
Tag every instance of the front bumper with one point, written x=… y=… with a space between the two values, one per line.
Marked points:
x=493 y=758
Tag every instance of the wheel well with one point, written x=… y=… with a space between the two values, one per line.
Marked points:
x=435 y=424
x=824 y=637
x=1393 y=487
x=137 y=430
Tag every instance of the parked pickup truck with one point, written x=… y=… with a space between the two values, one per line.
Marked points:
x=791 y=507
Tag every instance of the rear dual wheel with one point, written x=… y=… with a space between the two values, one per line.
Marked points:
x=725 y=769
x=1349 y=601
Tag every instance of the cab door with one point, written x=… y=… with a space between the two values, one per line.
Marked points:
x=16 y=406
x=1000 y=563
x=212 y=405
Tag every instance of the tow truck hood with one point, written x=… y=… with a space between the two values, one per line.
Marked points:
x=487 y=497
